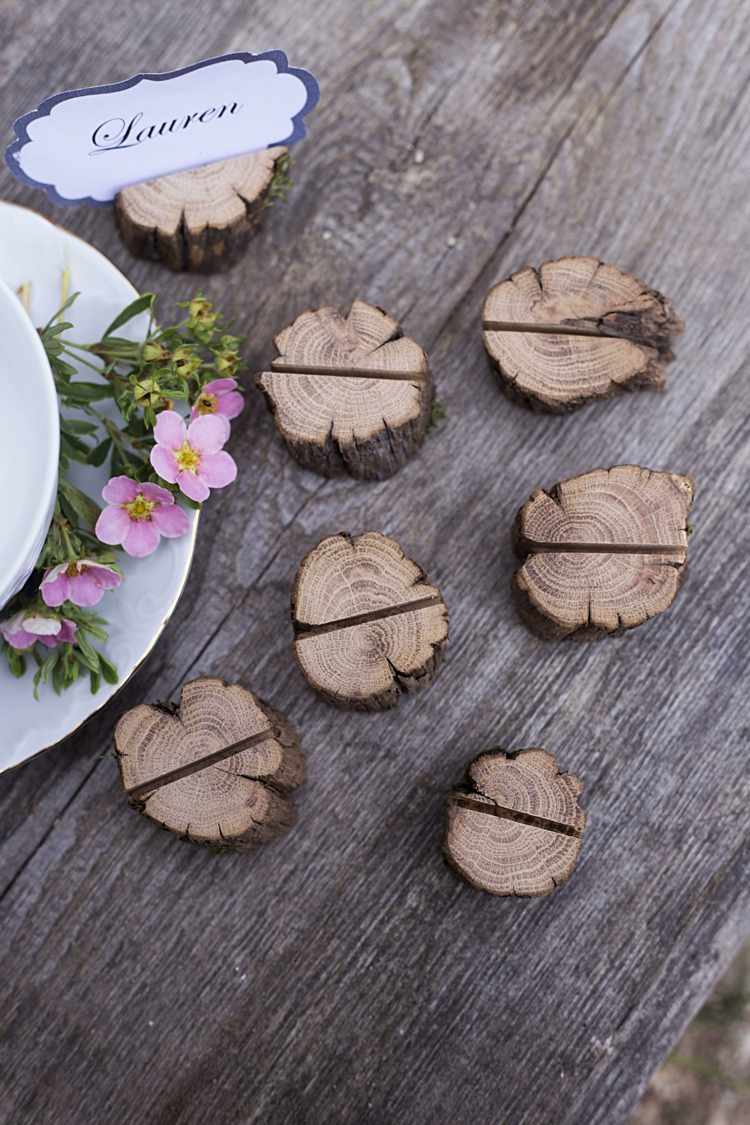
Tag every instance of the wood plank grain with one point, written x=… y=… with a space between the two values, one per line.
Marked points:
x=325 y=245
x=344 y=974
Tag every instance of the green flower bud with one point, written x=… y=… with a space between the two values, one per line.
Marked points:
x=186 y=361
x=200 y=311
x=227 y=363
x=147 y=392
x=154 y=352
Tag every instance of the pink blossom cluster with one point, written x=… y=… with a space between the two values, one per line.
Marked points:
x=23 y=630
x=191 y=456
x=138 y=514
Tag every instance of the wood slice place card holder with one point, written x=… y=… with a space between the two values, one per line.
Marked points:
x=515 y=827
x=574 y=330
x=218 y=769
x=602 y=552
x=349 y=394
x=368 y=625
x=203 y=218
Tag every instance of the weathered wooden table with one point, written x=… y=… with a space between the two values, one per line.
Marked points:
x=344 y=974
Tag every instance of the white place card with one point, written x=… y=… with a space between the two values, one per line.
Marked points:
x=84 y=146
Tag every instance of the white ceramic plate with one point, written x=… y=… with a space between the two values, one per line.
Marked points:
x=29 y=447
x=34 y=250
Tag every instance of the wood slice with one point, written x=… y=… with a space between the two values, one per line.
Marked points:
x=577 y=329
x=603 y=552
x=200 y=219
x=515 y=827
x=217 y=770
x=349 y=394
x=368 y=625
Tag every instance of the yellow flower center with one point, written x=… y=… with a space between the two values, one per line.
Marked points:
x=140 y=508
x=207 y=403
x=187 y=458
x=72 y=569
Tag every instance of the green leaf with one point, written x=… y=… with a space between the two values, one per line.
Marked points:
x=85 y=618
x=135 y=308
x=87 y=392
x=135 y=428
x=71 y=452
x=108 y=670
x=50 y=664
x=59 y=676
x=83 y=506
x=60 y=549
x=118 y=347
x=86 y=654
x=51 y=325
x=96 y=680
x=78 y=426
x=63 y=371
x=16 y=662
x=117 y=467
x=98 y=454
x=57 y=329
x=73 y=445
x=94 y=626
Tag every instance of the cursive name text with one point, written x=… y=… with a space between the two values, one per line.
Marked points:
x=119 y=133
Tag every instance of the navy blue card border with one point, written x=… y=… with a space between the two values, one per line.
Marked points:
x=43 y=110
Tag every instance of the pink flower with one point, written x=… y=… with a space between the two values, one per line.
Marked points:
x=24 y=629
x=82 y=582
x=219 y=397
x=193 y=458
x=138 y=514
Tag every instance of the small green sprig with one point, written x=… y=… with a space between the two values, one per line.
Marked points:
x=438 y=414
x=281 y=181
x=171 y=364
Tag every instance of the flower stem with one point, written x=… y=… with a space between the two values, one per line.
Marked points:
x=80 y=359
x=72 y=554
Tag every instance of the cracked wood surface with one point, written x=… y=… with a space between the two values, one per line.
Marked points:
x=334 y=423
x=478 y=137
x=202 y=218
x=368 y=625
x=504 y=825
x=613 y=333
x=218 y=769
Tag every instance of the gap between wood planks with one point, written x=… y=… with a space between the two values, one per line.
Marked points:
x=495 y=252
x=465 y=295
x=303 y=629
x=280 y=368
x=472 y=288
x=505 y=813
x=145 y=788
